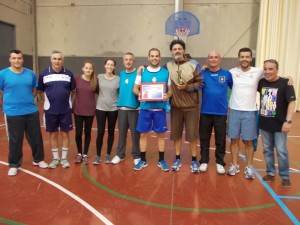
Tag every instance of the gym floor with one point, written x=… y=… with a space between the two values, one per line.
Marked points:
x=116 y=194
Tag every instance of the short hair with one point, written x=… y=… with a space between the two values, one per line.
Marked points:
x=128 y=53
x=16 y=51
x=272 y=61
x=154 y=49
x=177 y=41
x=57 y=52
x=245 y=50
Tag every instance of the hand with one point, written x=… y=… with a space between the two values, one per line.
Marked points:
x=140 y=70
x=290 y=80
x=182 y=86
x=204 y=67
x=165 y=97
x=286 y=127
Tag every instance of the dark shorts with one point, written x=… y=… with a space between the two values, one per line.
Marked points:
x=62 y=122
x=184 y=119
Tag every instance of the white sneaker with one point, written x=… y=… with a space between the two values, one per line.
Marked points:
x=41 y=164
x=203 y=167
x=136 y=161
x=116 y=160
x=13 y=171
x=220 y=169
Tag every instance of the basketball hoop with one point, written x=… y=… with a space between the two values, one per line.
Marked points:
x=182 y=24
x=182 y=33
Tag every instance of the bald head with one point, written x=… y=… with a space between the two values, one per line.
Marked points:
x=214 y=60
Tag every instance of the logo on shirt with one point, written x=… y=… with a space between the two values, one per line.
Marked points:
x=268 y=101
x=222 y=79
x=126 y=81
x=154 y=79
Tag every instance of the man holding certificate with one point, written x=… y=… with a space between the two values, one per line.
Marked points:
x=153 y=89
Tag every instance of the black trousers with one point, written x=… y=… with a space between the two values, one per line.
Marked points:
x=207 y=124
x=17 y=126
x=80 y=122
x=111 y=117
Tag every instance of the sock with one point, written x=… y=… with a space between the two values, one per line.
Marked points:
x=55 y=153
x=194 y=158
x=178 y=157
x=161 y=156
x=64 y=153
x=143 y=156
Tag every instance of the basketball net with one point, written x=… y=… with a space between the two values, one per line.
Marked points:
x=182 y=33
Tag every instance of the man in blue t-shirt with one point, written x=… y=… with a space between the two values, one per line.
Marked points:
x=57 y=86
x=19 y=87
x=214 y=111
x=153 y=113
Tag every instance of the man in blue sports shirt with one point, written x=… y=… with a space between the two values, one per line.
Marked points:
x=128 y=111
x=214 y=111
x=153 y=113
x=19 y=88
x=57 y=85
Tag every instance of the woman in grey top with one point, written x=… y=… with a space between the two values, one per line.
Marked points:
x=106 y=108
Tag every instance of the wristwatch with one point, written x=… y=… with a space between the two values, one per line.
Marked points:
x=288 y=121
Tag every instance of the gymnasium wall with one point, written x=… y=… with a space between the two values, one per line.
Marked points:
x=97 y=29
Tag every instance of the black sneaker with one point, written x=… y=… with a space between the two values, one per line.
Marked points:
x=268 y=178
x=286 y=183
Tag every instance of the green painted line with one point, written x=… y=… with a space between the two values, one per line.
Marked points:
x=298 y=194
x=169 y=206
x=10 y=222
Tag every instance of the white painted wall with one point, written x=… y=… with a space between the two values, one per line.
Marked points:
x=110 y=28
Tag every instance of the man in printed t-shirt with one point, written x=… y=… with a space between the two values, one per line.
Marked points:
x=277 y=105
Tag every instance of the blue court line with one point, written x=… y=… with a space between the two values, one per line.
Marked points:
x=290 y=197
x=291 y=171
x=274 y=195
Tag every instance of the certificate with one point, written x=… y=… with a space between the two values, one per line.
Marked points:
x=152 y=91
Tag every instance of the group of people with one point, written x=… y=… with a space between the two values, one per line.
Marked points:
x=115 y=98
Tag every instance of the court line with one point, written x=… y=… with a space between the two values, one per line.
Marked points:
x=274 y=195
x=10 y=222
x=67 y=192
x=171 y=207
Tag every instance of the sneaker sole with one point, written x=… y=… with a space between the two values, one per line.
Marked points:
x=137 y=169
x=37 y=164
x=65 y=167
x=95 y=163
x=165 y=170
x=232 y=174
x=268 y=181
x=221 y=173
x=52 y=167
x=112 y=162
x=176 y=169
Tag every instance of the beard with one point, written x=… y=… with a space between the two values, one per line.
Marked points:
x=178 y=57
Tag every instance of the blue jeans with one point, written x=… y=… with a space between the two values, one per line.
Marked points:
x=277 y=140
